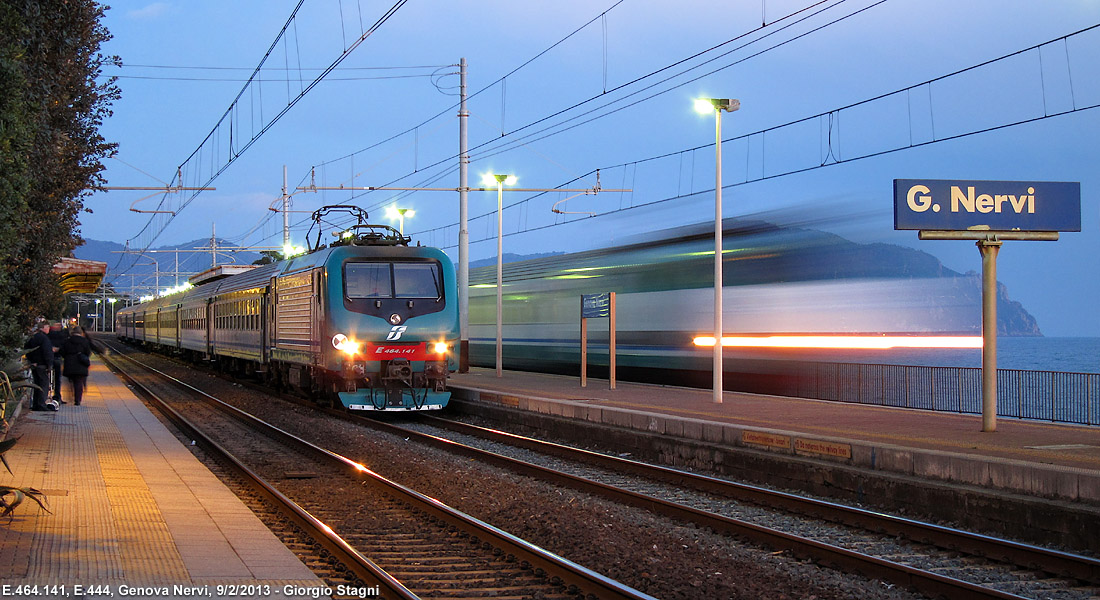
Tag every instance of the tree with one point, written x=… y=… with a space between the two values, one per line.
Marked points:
x=51 y=109
x=268 y=257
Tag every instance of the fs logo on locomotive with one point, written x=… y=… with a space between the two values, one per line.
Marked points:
x=395 y=332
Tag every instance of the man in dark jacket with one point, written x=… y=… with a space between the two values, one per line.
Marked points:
x=41 y=361
x=76 y=353
x=58 y=337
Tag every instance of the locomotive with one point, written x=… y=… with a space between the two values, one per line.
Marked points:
x=367 y=322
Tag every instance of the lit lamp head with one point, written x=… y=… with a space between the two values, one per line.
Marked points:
x=290 y=250
x=396 y=213
x=707 y=105
x=492 y=179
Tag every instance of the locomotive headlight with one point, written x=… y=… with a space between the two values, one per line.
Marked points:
x=345 y=345
x=441 y=347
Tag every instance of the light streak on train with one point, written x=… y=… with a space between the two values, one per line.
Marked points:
x=864 y=342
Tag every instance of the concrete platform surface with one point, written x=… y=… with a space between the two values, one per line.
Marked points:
x=131 y=511
x=1035 y=458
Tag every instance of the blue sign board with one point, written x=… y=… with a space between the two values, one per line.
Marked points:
x=594 y=306
x=945 y=205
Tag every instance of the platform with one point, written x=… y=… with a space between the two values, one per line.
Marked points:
x=132 y=511
x=1044 y=460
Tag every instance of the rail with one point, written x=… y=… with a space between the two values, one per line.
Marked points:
x=1056 y=396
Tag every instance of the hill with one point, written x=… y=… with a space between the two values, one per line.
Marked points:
x=141 y=274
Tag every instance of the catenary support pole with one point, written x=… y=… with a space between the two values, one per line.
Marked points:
x=286 y=214
x=463 y=228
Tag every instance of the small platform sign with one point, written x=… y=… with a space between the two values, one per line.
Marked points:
x=822 y=448
x=946 y=205
x=595 y=306
x=763 y=438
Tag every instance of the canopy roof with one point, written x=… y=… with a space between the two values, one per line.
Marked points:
x=80 y=276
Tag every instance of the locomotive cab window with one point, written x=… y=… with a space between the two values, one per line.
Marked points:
x=392 y=280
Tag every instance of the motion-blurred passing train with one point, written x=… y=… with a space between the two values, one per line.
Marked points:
x=368 y=322
x=778 y=281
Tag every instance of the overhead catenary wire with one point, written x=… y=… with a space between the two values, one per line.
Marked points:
x=601 y=17
x=505 y=137
x=830 y=3
x=487 y=87
x=837 y=159
x=280 y=80
x=283 y=68
x=237 y=152
x=641 y=78
x=520 y=140
x=550 y=130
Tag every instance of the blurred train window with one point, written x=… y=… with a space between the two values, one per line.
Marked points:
x=416 y=280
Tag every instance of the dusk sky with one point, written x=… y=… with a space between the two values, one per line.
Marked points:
x=838 y=99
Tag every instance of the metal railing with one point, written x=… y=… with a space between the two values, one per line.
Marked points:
x=1057 y=396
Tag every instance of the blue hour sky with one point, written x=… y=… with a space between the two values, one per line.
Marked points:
x=838 y=99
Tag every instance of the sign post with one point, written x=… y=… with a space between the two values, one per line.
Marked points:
x=988 y=212
x=594 y=306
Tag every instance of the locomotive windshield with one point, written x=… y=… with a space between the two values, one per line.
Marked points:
x=392 y=280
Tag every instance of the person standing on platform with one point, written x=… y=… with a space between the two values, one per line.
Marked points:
x=77 y=353
x=41 y=360
x=58 y=336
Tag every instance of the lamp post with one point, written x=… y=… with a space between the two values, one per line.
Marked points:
x=95 y=321
x=500 y=181
x=399 y=213
x=110 y=301
x=718 y=105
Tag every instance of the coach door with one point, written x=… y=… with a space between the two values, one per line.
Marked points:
x=295 y=329
x=208 y=326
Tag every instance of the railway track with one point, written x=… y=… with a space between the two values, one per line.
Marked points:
x=405 y=544
x=930 y=558
x=934 y=560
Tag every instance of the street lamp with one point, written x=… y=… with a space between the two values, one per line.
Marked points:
x=500 y=180
x=399 y=213
x=110 y=301
x=95 y=322
x=703 y=106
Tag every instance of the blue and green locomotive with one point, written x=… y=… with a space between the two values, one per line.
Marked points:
x=369 y=322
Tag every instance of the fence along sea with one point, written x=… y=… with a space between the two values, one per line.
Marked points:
x=1050 y=379
x=1070 y=354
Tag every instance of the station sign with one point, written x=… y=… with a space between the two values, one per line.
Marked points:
x=947 y=205
x=595 y=306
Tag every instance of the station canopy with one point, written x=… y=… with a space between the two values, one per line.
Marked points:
x=80 y=276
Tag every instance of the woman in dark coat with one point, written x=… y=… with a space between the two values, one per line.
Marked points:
x=77 y=353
